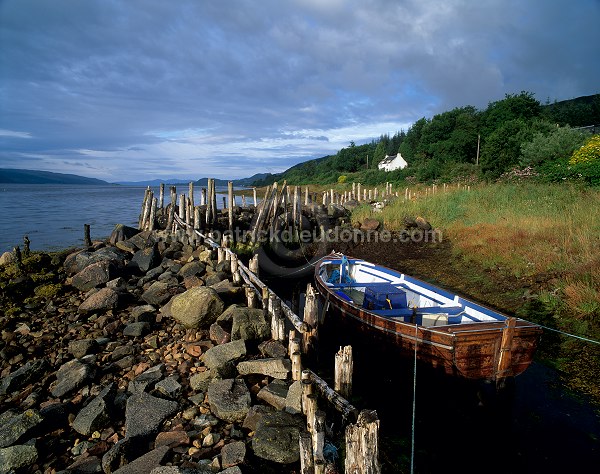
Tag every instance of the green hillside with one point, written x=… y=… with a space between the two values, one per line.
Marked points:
x=19 y=176
x=515 y=132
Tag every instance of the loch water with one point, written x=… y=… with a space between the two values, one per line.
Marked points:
x=53 y=215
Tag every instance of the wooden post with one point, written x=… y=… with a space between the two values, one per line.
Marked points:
x=255 y=202
x=244 y=204
x=505 y=357
x=197 y=217
x=277 y=322
x=295 y=206
x=87 y=241
x=221 y=255
x=161 y=194
x=182 y=206
x=253 y=264
x=143 y=211
x=230 y=203
x=306 y=196
x=203 y=197
x=343 y=372
x=215 y=216
x=362 y=445
x=26 y=246
x=191 y=194
x=224 y=202
x=307 y=465
x=318 y=436
x=311 y=318
x=152 y=214
x=147 y=209
x=250 y=296
x=18 y=259
x=358 y=193
x=307 y=389
x=296 y=358
x=237 y=278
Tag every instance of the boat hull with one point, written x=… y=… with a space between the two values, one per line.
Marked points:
x=471 y=351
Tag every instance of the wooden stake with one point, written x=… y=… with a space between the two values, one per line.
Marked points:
x=182 y=206
x=161 y=195
x=362 y=445
x=343 y=371
x=203 y=197
x=230 y=203
x=296 y=358
x=87 y=241
x=254 y=202
x=253 y=265
x=143 y=211
x=307 y=389
x=152 y=214
x=306 y=196
x=311 y=319
x=318 y=436
x=191 y=194
x=505 y=357
x=306 y=454
x=250 y=296
x=277 y=321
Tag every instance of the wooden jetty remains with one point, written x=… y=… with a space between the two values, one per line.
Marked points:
x=319 y=400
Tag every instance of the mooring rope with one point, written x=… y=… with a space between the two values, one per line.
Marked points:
x=414 y=407
x=586 y=339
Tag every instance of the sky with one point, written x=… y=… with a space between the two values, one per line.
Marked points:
x=144 y=89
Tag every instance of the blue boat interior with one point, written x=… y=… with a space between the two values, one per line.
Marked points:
x=397 y=296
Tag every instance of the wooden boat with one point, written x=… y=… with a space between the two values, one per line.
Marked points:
x=452 y=333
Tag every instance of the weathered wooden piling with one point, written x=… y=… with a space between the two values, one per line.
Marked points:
x=250 y=296
x=307 y=465
x=277 y=321
x=87 y=240
x=311 y=319
x=230 y=203
x=253 y=265
x=152 y=217
x=362 y=445
x=161 y=195
x=344 y=368
x=26 y=246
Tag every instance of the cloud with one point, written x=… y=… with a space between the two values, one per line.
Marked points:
x=144 y=88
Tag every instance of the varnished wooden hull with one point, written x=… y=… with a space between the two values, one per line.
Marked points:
x=466 y=350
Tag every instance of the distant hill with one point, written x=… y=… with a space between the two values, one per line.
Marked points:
x=199 y=182
x=18 y=176
x=153 y=182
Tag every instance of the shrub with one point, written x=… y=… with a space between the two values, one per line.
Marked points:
x=342 y=179
x=585 y=162
x=559 y=143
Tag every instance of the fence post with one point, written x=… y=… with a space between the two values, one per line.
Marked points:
x=362 y=445
x=343 y=372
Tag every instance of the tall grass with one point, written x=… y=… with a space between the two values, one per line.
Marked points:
x=525 y=230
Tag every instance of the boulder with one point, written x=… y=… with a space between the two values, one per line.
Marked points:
x=71 y=376
x=192 y=269
x=94 y=275
x=145 y=259
x=14 y=427
x=249 y=324
x=136 y=329
x=422 y=224
x=229 y=399
x=274 y=394
x=96 y=415
x=197 y=307
x=144 y=414
x=103 y=300
x=158 y=293
x=233 y=454
x=219 y=359
x=272 y=348
x=28 y=373
x=370 y=224
x=145 y=463
x=6 y=258
x=293 y=400
x=122 y=232
x=146 y=379
x=82 y=347
x=277 y=437
x=278 y=368
x=17 y=457
x=200 y=381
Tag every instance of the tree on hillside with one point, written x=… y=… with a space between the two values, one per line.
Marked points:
x=502 y=148
x=410 y=144
x=513 y=106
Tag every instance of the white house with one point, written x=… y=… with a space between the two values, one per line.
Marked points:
x=391 y=163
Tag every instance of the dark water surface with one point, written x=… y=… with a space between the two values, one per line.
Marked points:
x=53 y=215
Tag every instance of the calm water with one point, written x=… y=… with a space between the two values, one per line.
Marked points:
x=53 y=216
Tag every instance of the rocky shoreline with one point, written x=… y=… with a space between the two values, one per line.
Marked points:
x=139 y=355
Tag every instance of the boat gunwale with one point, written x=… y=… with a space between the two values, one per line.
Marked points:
x=450 y=329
